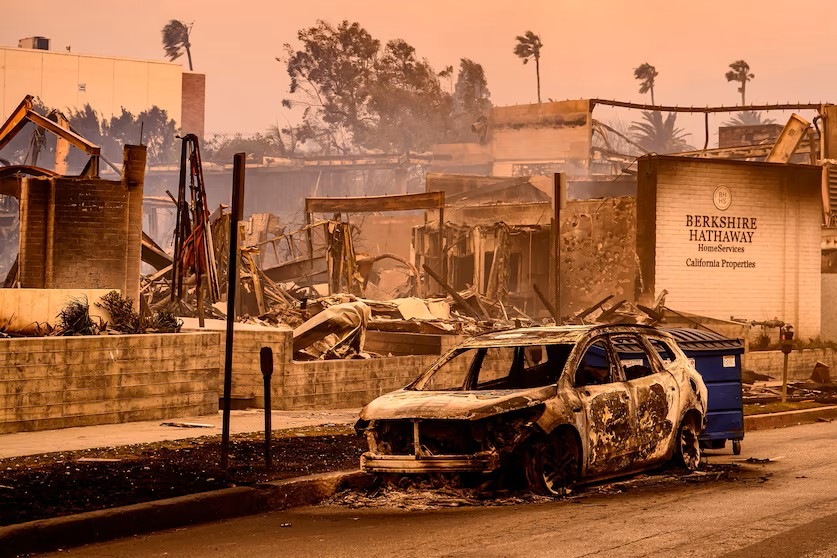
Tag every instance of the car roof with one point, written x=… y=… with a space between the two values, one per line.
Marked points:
x=552 y=334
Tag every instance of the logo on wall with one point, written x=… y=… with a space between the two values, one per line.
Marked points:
x=722 y=198
x=722 y=234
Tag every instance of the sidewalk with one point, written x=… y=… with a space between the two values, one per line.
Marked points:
x=87 y=437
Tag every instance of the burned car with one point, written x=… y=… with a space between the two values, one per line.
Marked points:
x=559 y=404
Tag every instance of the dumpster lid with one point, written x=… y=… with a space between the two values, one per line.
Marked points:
x=627 y=344
x=702 y=340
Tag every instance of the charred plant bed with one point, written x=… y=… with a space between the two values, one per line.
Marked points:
x=57 y=484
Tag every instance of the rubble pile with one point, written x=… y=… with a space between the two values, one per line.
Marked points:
x=819 y=388
x=331 y=300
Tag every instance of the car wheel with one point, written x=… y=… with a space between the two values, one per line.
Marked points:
x=688 y=445
x=552 y=464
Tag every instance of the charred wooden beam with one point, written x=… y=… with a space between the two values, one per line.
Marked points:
x=365 y=204
x=452 y=292
x=701 y=110
x=545 y=301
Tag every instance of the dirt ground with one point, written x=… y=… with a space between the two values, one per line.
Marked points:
x=57 y=484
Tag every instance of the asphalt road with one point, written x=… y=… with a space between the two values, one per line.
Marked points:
x=787 y=507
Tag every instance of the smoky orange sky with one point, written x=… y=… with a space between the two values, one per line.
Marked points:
x=590 y=47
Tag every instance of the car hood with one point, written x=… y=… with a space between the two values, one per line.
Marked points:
x=467 y=405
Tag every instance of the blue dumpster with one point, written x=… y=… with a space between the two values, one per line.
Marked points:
x=718 y=359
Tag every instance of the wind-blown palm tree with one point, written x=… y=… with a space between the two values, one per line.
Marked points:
x=176 y=40
x=740 y=72
x=647 y=74
x=657 y=135
x=529 y=46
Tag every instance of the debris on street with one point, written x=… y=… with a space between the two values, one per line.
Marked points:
x=433 y=493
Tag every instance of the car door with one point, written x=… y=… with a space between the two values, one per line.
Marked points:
x=606 y=402
x=654 y=391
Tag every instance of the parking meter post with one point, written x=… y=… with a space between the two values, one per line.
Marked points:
x=787 y=345
x=785 y=380
x=266 y=362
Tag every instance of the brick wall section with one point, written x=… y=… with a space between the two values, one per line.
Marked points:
x=785 y=200
x=133 y=181
x=90 y=239
x=60 y=382
x=193 y=104
x=800 y=363
x=34 y=200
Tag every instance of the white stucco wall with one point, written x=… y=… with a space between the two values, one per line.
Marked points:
x=65 y=80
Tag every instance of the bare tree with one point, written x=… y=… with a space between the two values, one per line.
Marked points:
x=528 y=47
x=176 y=40
x=646 y=73
x=740 y=72
x=447 y=73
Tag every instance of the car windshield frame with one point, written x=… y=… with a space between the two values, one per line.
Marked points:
x=470 y=377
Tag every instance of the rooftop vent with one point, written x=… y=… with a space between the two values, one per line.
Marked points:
x=38 y=43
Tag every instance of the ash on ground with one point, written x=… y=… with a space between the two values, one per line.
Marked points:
x=438 y=492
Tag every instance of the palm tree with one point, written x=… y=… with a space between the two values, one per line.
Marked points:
x=529 y=46
x=647 y=73
x=656 y=135
x=176 y=39
x=740 y=72
x=749 y=118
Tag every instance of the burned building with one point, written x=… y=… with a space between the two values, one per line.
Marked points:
x=74 y=231
x=499 y=242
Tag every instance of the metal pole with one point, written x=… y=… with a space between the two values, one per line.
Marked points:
x=559 y=194
x=443 y=261
x=176 y=271
x=266 y=362
x=232 y=285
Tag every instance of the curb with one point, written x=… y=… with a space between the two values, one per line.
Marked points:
x=45 y=535
x=789 y=418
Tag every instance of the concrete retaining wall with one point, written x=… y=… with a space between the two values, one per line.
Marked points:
x=321 y=384
x=248 y=341
x=59 y=382
x=800 y=363
x=336 y=384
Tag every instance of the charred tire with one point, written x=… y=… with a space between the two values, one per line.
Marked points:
x=687 y=453
x=552 y=464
